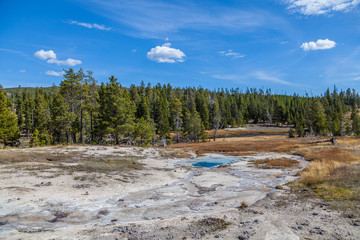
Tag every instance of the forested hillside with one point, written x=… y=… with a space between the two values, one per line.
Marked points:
x=81 y=111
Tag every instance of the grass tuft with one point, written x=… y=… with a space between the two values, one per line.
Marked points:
x=278 y=163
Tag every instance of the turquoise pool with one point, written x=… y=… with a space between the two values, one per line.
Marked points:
x=212 y=162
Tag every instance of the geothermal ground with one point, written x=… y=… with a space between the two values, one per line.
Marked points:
x=106 y=192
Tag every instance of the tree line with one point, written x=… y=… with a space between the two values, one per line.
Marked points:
x=81 y=111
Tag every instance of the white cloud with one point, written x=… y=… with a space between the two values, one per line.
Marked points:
x=68 y=62
x=226 y=77
x=50 y=56
x=91 y=25
x=159 y=18
x=43 y=55
x=318 y=45
x=232 y=54
x=165 y=54
x=22 y=70
x=53 y=73
x=319 y=7
x=270 y=78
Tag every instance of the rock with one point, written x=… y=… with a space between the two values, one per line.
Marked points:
x=217 y=236
x=317 y=230
x=315 y=214
x=244 y=236
x=356 y=223
x=303 y=223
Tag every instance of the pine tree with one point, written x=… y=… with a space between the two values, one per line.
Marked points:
x=202 y=108
x=143 y=110
x=117 y=109
x=20 y=109
x=143 y=132
x=215 y=118
x=318 y=118
x=61 y=119
x=356 y=125
x=176 y=117
x=9 y=132
x=163 y=126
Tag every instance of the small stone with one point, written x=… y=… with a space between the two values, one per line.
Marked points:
x=318 y=230
x=244 y=236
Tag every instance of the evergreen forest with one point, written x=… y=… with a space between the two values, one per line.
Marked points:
x=82 y=111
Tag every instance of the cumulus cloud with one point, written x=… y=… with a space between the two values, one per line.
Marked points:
x=91 y=25
x=320 y=44
x=50 y=57
x=319 y=7
x=43 y=55
x=166 y=54
x=53 y=73
x=232 y=54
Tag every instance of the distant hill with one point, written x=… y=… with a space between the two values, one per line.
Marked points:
x=31 y=90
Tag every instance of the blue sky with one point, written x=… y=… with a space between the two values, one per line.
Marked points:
x=286 y=45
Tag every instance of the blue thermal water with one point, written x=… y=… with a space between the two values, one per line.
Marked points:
x=210 y=162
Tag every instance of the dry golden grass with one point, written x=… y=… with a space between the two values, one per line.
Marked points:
x=224 y=133
x=239 y=153
x=174 y=153
x=278 y=163
x=245 y=144
x=329 y=154
x=334 y=172
x=333 y=180
x=318 y=172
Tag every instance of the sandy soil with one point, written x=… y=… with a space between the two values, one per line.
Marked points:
x=165 y=199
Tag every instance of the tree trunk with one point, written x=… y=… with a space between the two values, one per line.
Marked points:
x=91 y=126
x=81 y=125
x=116 y=138
x=74 y=137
